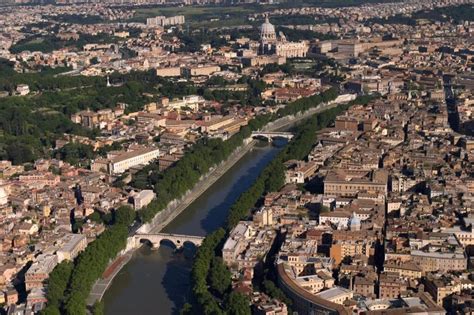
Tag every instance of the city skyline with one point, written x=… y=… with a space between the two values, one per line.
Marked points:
x=257 y=157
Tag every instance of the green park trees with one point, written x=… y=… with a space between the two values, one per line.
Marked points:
x=73 y=153
x=206 y=304
x=57 y=284
x=90 y=265
x=219 y=276
x=238 y=304
x=98 y=308
x=125 y=216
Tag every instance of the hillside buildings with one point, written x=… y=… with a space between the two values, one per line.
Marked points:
x=350 y=182
x=73 y=244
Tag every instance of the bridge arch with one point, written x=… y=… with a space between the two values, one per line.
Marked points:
x=169 y=243
x=189 y=244
x=270 y=136
x=145 y=241
x=263 y=138
x=158 y=239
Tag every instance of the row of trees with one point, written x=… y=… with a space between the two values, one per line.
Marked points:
x=213 y=293
x=58 y=281
x=70 y=284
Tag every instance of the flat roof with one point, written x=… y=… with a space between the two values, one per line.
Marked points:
x=131 y=154
x=333 y=292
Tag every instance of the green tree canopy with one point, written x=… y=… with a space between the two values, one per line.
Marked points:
x=238 y=304
x=125 y=215
x=219 y=276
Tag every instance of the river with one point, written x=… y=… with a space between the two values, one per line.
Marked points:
x=158 y=281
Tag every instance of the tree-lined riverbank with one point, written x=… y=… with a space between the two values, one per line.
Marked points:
x=170 y=185
x=208 y=296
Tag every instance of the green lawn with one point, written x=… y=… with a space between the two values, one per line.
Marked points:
x=193 y=12
x=202 y=16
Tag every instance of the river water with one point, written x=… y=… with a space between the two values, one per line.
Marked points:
x=157 y=281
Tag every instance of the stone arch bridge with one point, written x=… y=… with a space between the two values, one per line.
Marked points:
x=272 y=135
x=156 y=238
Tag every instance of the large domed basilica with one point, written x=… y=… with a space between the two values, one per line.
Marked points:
x=271 y=44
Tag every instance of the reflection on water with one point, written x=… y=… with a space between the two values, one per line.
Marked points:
x=156 y=281
x=208 y=212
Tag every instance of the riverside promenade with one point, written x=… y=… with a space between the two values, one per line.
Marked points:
x=176 y=207
x=109 y=274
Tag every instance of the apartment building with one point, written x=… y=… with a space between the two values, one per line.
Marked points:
x=405 y=269
x=73 y=245
x=344 y=182
x=200 y=70
x=391 y=286
x=39 y=271
x=440 y=287
x=165 y=21
x=143 y=198
x=439 y=261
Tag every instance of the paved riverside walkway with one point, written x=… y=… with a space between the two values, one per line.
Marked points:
x=207 y=181
x=109 y=274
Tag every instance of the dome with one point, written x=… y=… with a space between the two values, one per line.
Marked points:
x=267 y=31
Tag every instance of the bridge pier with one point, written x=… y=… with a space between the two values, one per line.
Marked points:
x=154 y=246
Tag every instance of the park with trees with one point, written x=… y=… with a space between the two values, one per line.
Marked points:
x=31 y=124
